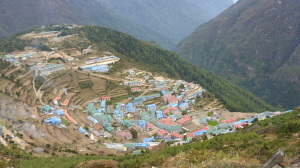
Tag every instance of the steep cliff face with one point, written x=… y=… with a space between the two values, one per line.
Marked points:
x=255 y=43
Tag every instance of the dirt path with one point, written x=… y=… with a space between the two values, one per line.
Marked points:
x=36 y=74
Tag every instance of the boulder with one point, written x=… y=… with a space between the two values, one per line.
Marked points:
x=276 y=159
x=38 y=150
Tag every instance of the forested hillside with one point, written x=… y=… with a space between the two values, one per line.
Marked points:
x=255 y=44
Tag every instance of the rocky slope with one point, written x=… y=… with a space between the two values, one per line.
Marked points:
x=255 y=43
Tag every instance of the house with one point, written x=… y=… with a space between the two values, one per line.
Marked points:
x=146 y=140
x=59 y=112
x=135 y=89
x=167 y=121
x=159 y=114
x=132 y=83
x=55 y=100
x=124 y=134
x=224 y=126
x=129 y=146
x=161 y=84
x=151 y=81
x=166 y=94
x=55 y=121
x=163 y=134
x=172 y=100
x=172 y=110
x=175 y=135
x=230 y=120
x=203 y=120
x=105 y=98
x=190 y=85
x=66 y=102
x=98 y=127
x=185 y=120
x=201 y=131
x=83 y=131
x=151 y=107
x=241 y=125
x=137 y=115
x=46 y=109
x=50 y=68
x=137 y=102
x=141 y=145
x=183 y=106
x=93 y=119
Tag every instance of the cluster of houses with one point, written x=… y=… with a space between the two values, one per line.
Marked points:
x=163 y=120
x=97 y=66
x=110 y=59
x=47 y=69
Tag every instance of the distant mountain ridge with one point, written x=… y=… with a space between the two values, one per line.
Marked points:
x=255 y=43
x=17 y=16
x=171 y=19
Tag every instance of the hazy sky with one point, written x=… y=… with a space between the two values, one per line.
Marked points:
x=234 y=1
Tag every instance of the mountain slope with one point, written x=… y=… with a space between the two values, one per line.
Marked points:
x=158 y=60
x=17 y=16
x=255 y=43
x=172 y=19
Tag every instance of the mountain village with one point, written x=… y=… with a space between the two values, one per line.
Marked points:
x=156 y=109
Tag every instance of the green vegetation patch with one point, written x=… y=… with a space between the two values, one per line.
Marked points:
x=212 y=123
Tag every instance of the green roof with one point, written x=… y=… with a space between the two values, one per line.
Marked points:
x=129 y=145
x=9 y=56
x=46 y=108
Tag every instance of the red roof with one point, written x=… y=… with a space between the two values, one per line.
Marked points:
x=172 y=99
x=167 y=121
x=124 y=134
x=170 y=109
x=150 y=124
x=176 y=135
x=56 y=98
x=183 y=120
x=242 y=125
x=66 y=102
x=162 y=132
x=135 y=88
x=230 y=120
x=192 y=133
x=105 y=97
